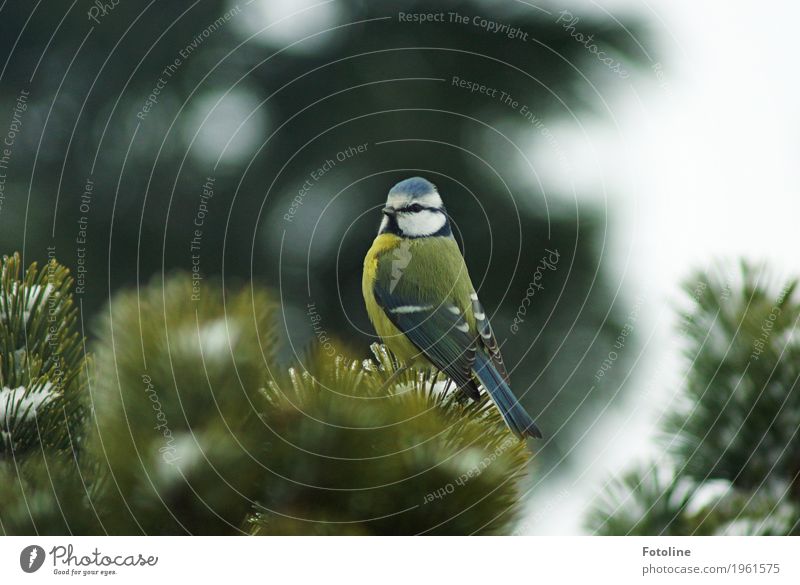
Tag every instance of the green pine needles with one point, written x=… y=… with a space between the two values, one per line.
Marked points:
x=733 y=444
x=42 y=363
x=369 y=448
x=196 y=428
x=185 y=421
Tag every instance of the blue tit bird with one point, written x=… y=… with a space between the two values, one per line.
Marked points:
x=421 y=301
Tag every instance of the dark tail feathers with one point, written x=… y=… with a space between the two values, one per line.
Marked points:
x=515 y=416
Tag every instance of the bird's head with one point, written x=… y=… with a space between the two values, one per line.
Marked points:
x=414 y=209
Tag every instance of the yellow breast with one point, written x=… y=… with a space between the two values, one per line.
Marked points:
x=396 y=341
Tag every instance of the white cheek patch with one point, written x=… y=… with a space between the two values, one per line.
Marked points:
x=422 y=223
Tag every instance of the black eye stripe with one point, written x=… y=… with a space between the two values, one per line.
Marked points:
x=416 y=207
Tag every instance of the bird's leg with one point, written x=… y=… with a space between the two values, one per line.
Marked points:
x=397 y=372
x=446 y=388
x=437 y=371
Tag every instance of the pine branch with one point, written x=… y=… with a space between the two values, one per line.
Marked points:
x=353 y=453
x=176 y=394
x=738 y=426
x=198 y=431
x=658 y=502
x=42 y=365
x=47 y=496
x=742 y=419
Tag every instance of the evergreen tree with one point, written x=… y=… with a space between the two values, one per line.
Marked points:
x=194 y=428
x=44 y=407
x=42 y=362
x=734 y=441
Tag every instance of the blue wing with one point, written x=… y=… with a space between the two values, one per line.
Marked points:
x=442 y=335
x=439 y=332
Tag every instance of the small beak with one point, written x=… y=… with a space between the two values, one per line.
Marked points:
x=388 y=210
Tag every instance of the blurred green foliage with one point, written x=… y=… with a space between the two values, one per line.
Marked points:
x=176 y=399
x=373 y=80
x=196 y=430
x=732 y=450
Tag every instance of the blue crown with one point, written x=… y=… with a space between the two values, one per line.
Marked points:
x=415 y=186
